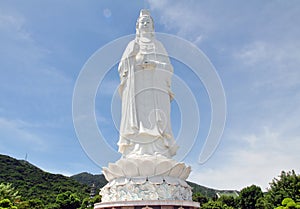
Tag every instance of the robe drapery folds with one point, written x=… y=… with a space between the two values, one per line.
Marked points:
x=145 y=89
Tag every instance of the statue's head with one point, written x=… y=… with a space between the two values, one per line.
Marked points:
x=144 y=23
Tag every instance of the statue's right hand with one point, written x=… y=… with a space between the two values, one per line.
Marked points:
x=149 y=65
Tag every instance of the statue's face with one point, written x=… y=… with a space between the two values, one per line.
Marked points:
x=145 y=24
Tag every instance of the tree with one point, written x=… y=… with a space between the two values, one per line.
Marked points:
x=85 y=203
x=8 y=196
x=9 y=192
x=6 y=204
x=32 y=204
x=228 y=200
x=286 y=186
x=249 y=197
x=289 y=203
x=96 y=199
x=215 y=205
x=261 y=203
x=89 y=203
x=67 y=200
x=198 y=197
x=52 y=206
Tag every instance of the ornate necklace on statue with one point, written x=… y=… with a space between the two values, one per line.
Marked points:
x=146 y=45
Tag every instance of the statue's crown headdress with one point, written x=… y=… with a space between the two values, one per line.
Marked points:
x=144 y=12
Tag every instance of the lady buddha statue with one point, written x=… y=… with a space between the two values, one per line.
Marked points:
x=145 y=88
x=146 y=170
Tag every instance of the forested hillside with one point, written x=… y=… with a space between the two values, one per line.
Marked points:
x=34 y=183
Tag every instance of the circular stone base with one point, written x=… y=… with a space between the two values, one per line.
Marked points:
x=145 y=189
x=148 y=204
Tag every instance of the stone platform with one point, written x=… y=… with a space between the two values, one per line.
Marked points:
x=148 y=204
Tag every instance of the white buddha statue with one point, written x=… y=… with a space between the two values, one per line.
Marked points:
x=145 y=72
x=146 y=170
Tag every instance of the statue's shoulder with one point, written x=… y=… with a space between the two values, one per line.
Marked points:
x=130 y=45
x=157 y=42
x=160 y=47
x=129 y=48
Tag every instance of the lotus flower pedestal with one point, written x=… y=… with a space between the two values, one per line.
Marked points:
x=146 y=182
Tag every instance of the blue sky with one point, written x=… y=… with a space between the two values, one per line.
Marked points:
x=254 y=46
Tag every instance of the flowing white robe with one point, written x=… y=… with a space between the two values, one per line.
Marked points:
x=145 y=127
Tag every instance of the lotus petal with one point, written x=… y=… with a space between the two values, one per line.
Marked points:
x=121 y=181
x=115 y=169
x=139 y=180
x=176 y=171
x=186 y=172
x=108 y=175
x=156 y=179
x=163 y=168
x=146 y=168
x=171 y=180
x=129 y=168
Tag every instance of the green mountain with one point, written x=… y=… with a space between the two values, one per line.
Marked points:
x=34 y=183
x=89 y=179
x=208 y=192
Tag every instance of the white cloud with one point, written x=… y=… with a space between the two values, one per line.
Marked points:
x=182 y=18
x=22 y=54
x=16 y=39
x=270 y=56
x=13 y=23
x=103 y=120
x=271 y=88
x=30 y=86
x=254 y=158
x=19 y=133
